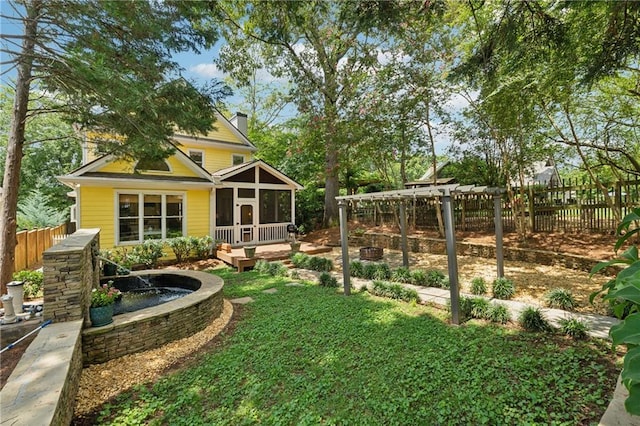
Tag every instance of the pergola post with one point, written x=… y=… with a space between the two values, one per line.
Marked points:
x=344 y=242
x=497 y=207
x=403 y=234
x=449 y=226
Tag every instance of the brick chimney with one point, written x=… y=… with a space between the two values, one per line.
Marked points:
x=240 y=121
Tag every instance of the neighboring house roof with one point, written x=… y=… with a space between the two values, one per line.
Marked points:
x=428 y=175
x=541 y=173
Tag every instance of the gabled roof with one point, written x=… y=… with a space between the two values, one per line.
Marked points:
x=245 y=143
x=428 y=175
x=228 y=172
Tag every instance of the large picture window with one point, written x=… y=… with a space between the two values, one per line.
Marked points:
x=275 y=206
x=150 y=216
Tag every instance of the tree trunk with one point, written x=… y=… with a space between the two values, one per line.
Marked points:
x=332 y=146
x=13 y=162
x=434 y=164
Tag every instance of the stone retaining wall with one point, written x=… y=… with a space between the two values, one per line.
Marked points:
x=153 y=327
x=438 y=246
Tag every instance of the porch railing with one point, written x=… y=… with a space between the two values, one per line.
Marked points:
x=267 y=233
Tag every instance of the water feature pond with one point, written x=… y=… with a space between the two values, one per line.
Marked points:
x=144 y=291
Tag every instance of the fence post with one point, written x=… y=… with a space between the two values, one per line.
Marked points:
x=532 y=209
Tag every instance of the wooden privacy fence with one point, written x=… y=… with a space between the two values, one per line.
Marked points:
x=570 y=207
x=31 y=244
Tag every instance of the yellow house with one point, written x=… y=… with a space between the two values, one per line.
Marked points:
x=212 y=185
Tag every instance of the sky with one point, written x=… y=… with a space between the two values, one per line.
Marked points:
x=199 y=68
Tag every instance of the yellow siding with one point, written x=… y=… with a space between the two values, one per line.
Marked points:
x=216 y=158
x=178 y=168
x=97 y=210
x=198 y=213
x=222 y=133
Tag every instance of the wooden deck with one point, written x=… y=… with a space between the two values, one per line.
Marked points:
x=269 y=252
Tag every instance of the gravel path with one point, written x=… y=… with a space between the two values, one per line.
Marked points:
x=101 y=382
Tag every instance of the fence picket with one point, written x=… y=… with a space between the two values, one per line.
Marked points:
x=31 y=244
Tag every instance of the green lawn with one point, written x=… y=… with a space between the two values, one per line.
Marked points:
x=308 y=355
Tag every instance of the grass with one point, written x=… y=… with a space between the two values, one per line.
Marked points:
x=309 y=355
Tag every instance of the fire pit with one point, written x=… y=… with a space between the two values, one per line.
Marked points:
x=371 y=253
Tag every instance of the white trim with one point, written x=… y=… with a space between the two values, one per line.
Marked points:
x=200 y=151
x=212 y=143
x=78 y=209
x=140 y=217
x=135 y=183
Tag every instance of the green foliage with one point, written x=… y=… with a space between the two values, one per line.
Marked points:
x=575 y=328
x=326 y=280
x=383 y=272
x=503 y=288
x=532 y=319
x=393 y=291
x=33 y=281
x=369 y=271
x=203 y=246
x=560 y=298
x=478 y=286
x=480 y=307
x=275 y=269
x=623 y=292
x=314 y=263
x=413 y=356
x=499 y=313
x=181 y=247
x=419 y=277
x=436 y=279
x=148 y=253
x=104 y=295
x=356 y=269
x=35 y=212
x=402 y=275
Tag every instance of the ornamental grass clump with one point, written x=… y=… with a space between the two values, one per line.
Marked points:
x=419 y=277
x=326 y=280
x=478 y=286
x=480 y=307
x=532 y=319
x=393 y=291
x=499 y=313
x=560 y=298
x=574 y=328
x=356 y=269
x=503 y=288
x=104 y=295
x=401 y=275
x=435 y=278
x=382 y=272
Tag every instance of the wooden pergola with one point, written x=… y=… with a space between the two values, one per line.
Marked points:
x=400 y=197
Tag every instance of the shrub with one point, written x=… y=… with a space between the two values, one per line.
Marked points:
x=181 y=247
x=560 y=298
x=326 y=280
x=532 y=319
x=393 y=291
x=503 y=288
x=435 y=278
x=465 y=306
x=480 y=307
x=320 y=264
x=32 y=282
x=499 y=313
x=401 y=275
x=478 y=286
x=356 y=269
x=202 y=246
x=445 y=283
x=369 y=270
x=419 y=277
x=275 y=269
x=300 y=260
x=574 y=327
x=148 y=253
x=382 y=272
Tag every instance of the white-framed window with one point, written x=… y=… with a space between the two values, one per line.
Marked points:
x=197 y=156
x=148 y=215
x=237 y=159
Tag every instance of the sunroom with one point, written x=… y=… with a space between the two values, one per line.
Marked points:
x=254 y=203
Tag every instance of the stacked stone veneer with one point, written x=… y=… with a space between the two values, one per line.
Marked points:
x=71 y=270
x=437 y=246
x=153 y=327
